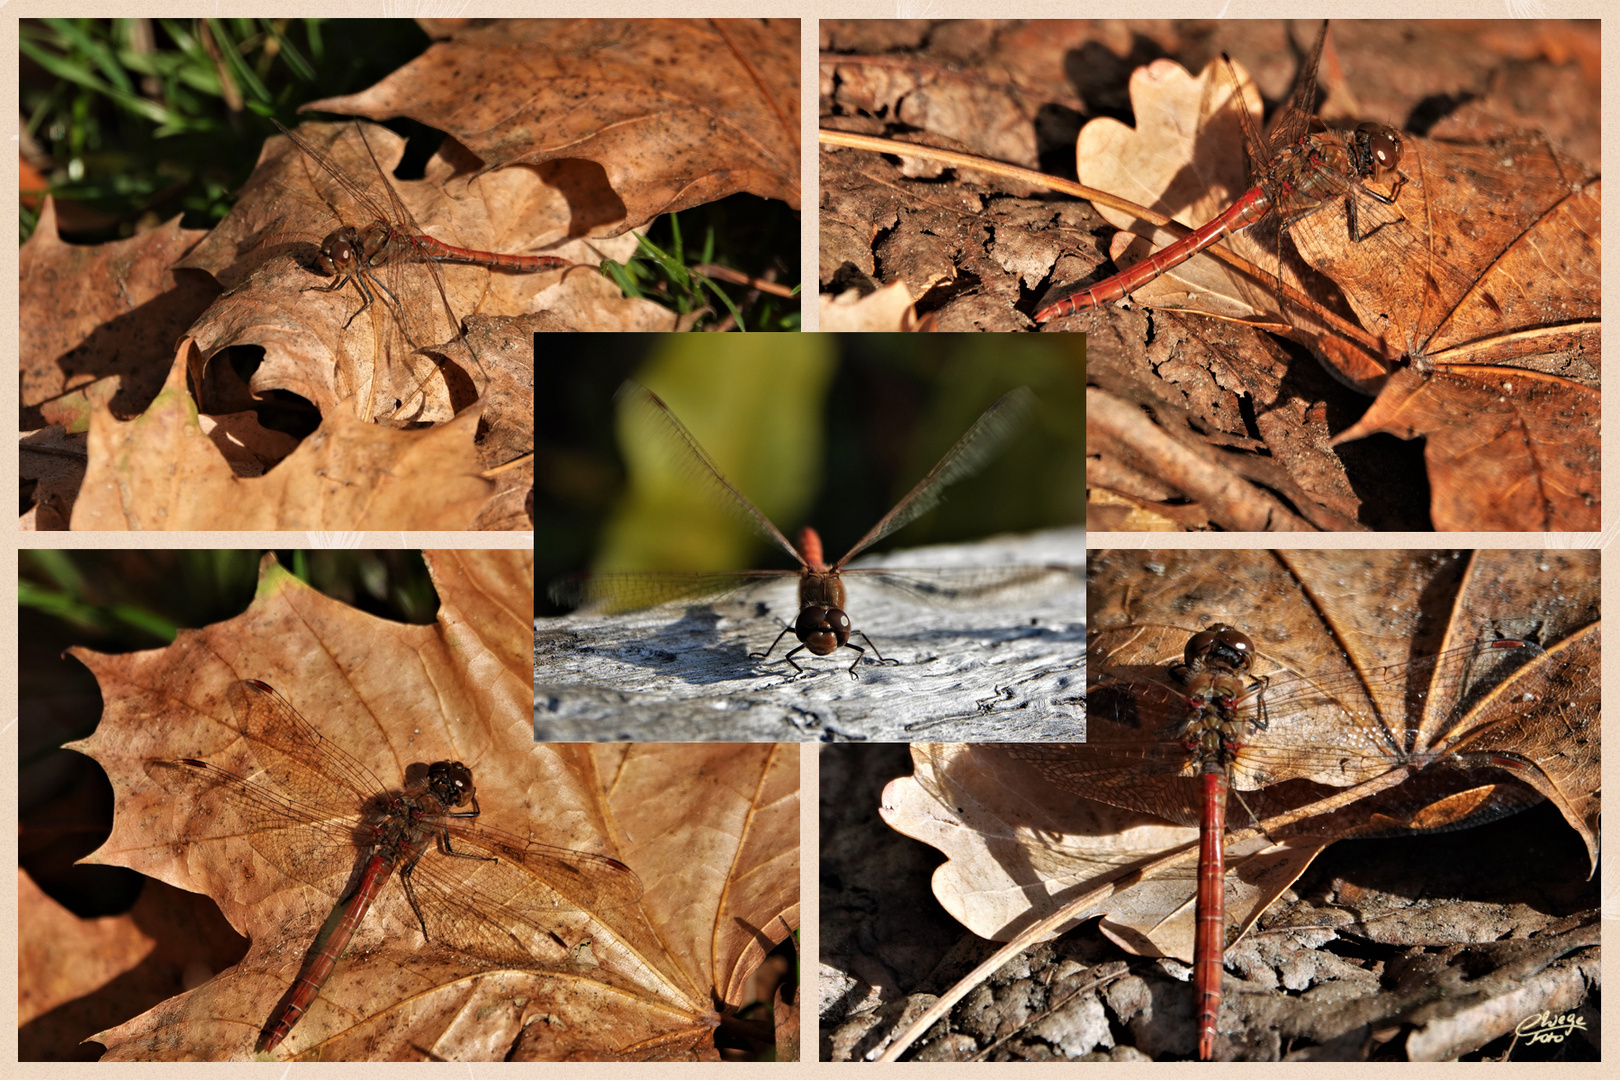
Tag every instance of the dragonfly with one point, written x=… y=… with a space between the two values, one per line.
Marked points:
x=1175 y=738
x=822 y=625
x=1303 y=169
x=387 y=258
x=474 y=889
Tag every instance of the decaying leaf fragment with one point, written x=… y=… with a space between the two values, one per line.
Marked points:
x=160 y=471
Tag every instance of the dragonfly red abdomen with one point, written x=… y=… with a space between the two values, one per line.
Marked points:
x=1301 y=170
x=810 y=548
x=1253 y=205
x=1209 y=945
x=1214 y=666
x=470 y=888
x=320 y=966
x=439 y=251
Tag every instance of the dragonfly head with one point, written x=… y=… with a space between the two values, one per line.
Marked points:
x=450 y=782
x=821 y=628
x=1220 y=647
x=336 y=258
x=1375 y=152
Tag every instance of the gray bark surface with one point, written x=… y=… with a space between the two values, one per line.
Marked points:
x=1009 y=668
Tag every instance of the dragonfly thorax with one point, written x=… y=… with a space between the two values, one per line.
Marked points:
x=821 y=590
x=1214 y=726
x=1212 y=671
x=1301 y=177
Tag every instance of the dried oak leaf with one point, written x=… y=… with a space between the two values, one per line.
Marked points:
x=707 y=828
x=160 y=471
x=51 y=466
x=1020 y=846
x=264 y=254
x=673 y=113
x=99 y=322
x=885 y=310
x=507 y=442
x=1179 y=160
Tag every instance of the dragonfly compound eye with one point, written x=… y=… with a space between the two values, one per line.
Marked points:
x=1383 y=145
x=451 y=781
x=336 y=255
x=822 y=629
x=1219 y=646
x=1197 y=646
x=1232 y=650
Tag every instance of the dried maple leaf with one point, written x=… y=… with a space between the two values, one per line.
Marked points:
x=1498 y=305
x=1310 y=612
x=1506 y=448
x=641 y=983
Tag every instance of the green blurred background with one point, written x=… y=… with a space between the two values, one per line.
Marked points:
x=826 y=430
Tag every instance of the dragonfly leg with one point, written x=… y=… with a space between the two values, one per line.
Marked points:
x=472 y=812
x=410 y=896
x=1254 y=819
x=862 y=652
x=338 y=284
x=880 y=657
x=788 y=658
x=1258 y=687
x=399 y=312
x=444 y=846
x=774 y=644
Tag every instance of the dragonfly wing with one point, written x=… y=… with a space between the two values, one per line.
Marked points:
x=303 y=842
x=613 y=593
x=306 y=765
x=368 y=206
x=970 y=454
x=1294 y=121
x=511 y=898
x=962 y=585
x=1150 y=778
x=1336 y=730
x=401 y=216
